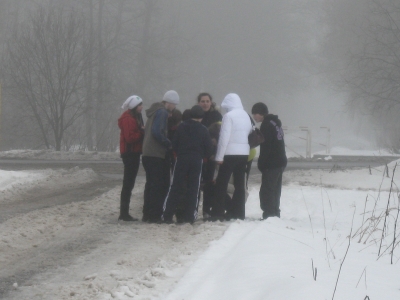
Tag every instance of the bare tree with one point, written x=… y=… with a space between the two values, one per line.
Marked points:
x=44 y=68
x=375 y=69
x=362 y=45
x=125 y=47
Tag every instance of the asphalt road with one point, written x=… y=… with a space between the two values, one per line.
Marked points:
x=114 y=169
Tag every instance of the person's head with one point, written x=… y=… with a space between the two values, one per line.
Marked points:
x=259 y=111
x=186 y=115
x=230 y=102
x=170 y=100
x=138 y=109
x=205 y=101
x=196 y=113
x=133 y=103
x=175 y=118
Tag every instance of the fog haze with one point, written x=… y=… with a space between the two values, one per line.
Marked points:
x=288 y=54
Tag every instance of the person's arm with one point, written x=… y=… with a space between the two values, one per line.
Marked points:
x=159 y=126
x=224 y=137
x=131 y=132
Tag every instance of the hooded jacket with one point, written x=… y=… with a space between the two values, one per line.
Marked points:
x=131 y=135
x=192 y=138
x=235 y=129
x=156 y=142
x=272 y=151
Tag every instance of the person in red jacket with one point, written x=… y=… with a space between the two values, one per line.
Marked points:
x=131 y=138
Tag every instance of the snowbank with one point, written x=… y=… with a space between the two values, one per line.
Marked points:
x=303 y=254
x=59 y=155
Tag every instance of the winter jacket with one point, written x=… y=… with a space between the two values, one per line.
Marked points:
x=235 y=129
x=131 y=136
x=156 y=142
x=192 y=138
x=272 y=151
x=210 y=117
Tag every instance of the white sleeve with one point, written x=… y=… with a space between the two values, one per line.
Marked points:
x=224 y=137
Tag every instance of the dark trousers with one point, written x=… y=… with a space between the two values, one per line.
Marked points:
x=208 y=185
x=270 y=192
x=236 y=165
x=187 y=172
x=248 y=168
x=156 y=188
x=131 y=166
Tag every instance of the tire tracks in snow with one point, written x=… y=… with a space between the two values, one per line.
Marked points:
x=80 y=249
x=26 y=246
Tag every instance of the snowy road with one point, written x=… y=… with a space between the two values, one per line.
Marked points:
x=57 y=232
x=43 y=197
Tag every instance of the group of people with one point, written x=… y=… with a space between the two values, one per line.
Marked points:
x=199 y=150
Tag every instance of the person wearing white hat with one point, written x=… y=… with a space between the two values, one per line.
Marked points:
x=131 y=137
x=156 y=147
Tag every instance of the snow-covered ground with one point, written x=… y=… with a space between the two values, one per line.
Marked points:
x=358 y=152
x=306 y=254
x=59 y=155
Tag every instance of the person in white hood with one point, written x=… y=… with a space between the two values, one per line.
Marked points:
x=232 y=153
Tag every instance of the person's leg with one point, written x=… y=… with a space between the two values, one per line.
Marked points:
x=208 y=185
x=149 y=186
x=248 y=168
x=208 y=194
x=267 y=194
x=193 y=180
x=278 y=192
x=239 y=183
x=229 y=209
x=221 y=185
x=160 y=177
x=181 y=206
x=131 y=167
x=172 y=198
x=157 y=184
x=165 y=182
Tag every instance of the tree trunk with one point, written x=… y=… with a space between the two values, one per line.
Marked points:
x=89 y=83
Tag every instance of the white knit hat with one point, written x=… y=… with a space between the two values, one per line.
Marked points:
x=171 y=97
x=132 y=102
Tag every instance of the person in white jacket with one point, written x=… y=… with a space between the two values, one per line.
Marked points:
x=232 y=153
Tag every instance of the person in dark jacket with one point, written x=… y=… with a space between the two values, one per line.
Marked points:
x=191 y=143
x=272 y=160
x=176 y=118
x=211 y=115
x=131 y=137
x=156 y=163
x=209 y=170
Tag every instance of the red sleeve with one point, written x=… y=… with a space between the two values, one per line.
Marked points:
x=131 y=131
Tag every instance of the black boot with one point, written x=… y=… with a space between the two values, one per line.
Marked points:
x=127 y=218
x=124 y=209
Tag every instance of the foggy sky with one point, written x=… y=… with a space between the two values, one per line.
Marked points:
x=263 y=50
